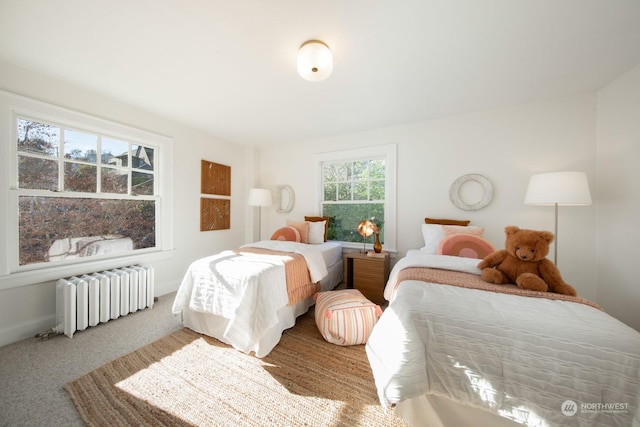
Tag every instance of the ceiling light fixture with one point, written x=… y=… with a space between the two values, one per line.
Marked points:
x=315 y=61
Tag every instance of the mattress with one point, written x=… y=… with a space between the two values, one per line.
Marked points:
x=331 y=252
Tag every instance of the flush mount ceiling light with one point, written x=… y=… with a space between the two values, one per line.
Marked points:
x=315 y=61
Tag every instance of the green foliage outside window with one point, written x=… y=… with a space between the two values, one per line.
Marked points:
x=345 y=218
x=353 y=191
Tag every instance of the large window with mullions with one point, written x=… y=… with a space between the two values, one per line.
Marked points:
x=82 y=193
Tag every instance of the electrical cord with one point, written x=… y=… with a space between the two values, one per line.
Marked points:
x=43 y=336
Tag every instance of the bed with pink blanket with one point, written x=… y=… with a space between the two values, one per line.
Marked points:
x=247 y=297
x=453 y=350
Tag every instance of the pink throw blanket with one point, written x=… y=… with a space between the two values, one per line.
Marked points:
x=299 y=285
x=472 y=281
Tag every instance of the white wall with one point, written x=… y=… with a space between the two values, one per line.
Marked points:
x=506 y=146
x=618 y=195
x=30 y=309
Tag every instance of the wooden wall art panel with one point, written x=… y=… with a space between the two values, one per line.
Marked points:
x=215 y=179
x=215 y=214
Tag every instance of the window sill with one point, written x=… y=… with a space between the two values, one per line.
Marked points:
x=49 y=274
x=348 y=247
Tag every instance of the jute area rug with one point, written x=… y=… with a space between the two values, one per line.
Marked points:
x=187 y=379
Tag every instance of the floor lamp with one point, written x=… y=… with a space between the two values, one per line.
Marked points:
x=558 y=189
x=260 y=197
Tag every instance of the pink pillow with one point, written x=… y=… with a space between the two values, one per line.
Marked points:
x=459 y=229
x=303 y=229
x=434 y=233
x=286 y=233
x=465 y=245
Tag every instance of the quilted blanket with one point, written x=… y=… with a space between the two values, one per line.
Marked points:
x=536 y=361
x=471 y=281
x=297 y=277
x=248 y=286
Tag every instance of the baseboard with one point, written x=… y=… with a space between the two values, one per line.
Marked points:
x=27 y=330
x=19 y=332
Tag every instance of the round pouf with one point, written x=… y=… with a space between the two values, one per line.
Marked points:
x=345 y=317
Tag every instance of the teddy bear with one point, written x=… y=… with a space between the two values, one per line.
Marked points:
x=523 y=262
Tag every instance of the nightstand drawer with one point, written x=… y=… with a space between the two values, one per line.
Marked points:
x=363 y=280
x=367 y=267
x=367 y=274
x=372 y=292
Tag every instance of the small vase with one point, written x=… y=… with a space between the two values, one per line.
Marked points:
x=377 y=246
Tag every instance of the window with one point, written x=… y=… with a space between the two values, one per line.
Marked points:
x=79 y=190
x=101 y=193
x=356 y=185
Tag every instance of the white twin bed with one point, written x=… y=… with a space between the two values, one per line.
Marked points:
x=449 y=350
x=248 y=297
x=467 y=353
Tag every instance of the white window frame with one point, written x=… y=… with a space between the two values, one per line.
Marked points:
x=389 y=153
x=11 y=274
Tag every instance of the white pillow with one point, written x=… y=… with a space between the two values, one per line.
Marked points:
x=433 y=234
x=316 y=232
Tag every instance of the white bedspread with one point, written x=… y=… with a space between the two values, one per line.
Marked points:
x=518 y=357
x=246 y=288
x=311 y=253
x=420 y=259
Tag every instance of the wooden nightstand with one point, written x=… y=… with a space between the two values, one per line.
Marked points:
x=367 y=274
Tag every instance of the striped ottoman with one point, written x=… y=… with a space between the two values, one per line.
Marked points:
x=345 y=317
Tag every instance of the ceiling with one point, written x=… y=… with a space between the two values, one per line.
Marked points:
x=228 y=67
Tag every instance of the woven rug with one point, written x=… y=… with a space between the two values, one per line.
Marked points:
x=187 y=379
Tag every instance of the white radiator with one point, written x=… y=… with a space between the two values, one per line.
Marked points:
x=87 y=300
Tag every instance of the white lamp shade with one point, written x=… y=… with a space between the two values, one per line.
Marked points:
x=315 y=61
x=260 y=197
x=563 y=188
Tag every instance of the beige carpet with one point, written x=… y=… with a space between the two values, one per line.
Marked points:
x=188 y=379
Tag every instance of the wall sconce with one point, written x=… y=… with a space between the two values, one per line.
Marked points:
x=315 y=61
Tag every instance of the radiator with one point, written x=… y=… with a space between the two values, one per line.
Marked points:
x=90 y=299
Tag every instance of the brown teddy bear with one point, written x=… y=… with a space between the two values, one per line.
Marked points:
x=524 y=263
